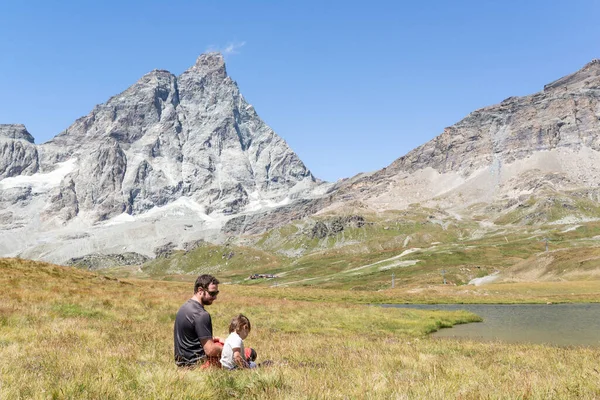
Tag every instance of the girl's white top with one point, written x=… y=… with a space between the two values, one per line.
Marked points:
x=233 y=340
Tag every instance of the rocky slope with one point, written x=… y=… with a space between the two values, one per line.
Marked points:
x=499 y=152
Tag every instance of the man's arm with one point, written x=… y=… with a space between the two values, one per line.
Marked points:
x=203 y=325
x=218 y=340
x=211 y=348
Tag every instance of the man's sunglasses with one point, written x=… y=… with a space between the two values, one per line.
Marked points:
x=212 y=294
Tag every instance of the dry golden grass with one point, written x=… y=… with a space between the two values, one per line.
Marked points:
x=69 y=334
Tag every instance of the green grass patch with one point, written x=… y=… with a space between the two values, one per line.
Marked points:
x=69 y=310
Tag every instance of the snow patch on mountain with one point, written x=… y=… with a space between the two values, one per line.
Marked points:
x=40 y=182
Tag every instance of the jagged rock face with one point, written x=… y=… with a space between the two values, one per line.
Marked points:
x=63 y=202
x=18 y=154
x=167 y=137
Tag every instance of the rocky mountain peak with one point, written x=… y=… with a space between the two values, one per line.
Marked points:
x=15 y=131
x=211 y=63
x=189 y=145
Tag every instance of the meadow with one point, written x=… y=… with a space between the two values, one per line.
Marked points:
x=70 y=334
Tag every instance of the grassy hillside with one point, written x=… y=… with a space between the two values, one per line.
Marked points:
x=417 y=247
x=228 y=261
x=66 y=333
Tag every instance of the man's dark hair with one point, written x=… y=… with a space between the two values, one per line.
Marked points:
x=203 y=281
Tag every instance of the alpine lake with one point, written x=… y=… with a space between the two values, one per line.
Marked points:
x=574 y=324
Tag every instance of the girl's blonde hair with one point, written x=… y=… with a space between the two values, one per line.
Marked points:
x=238 y=323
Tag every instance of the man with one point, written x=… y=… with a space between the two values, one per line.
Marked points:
x=193 y=335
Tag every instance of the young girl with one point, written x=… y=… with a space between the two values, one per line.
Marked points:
x=234 y=355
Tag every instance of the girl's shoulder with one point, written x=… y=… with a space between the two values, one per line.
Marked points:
x=233 y=336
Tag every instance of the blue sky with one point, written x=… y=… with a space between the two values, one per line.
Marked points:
x=350 y=85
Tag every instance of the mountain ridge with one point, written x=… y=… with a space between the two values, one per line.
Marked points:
x=173 y=159
x=550 y=131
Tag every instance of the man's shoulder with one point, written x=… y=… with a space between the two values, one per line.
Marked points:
x=192 y=307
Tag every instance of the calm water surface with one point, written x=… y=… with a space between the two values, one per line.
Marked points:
x=557 y=324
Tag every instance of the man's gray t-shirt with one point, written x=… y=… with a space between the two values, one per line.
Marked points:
x=192 y=324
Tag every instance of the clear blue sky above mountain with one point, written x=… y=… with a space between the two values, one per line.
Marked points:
x=350 y=85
